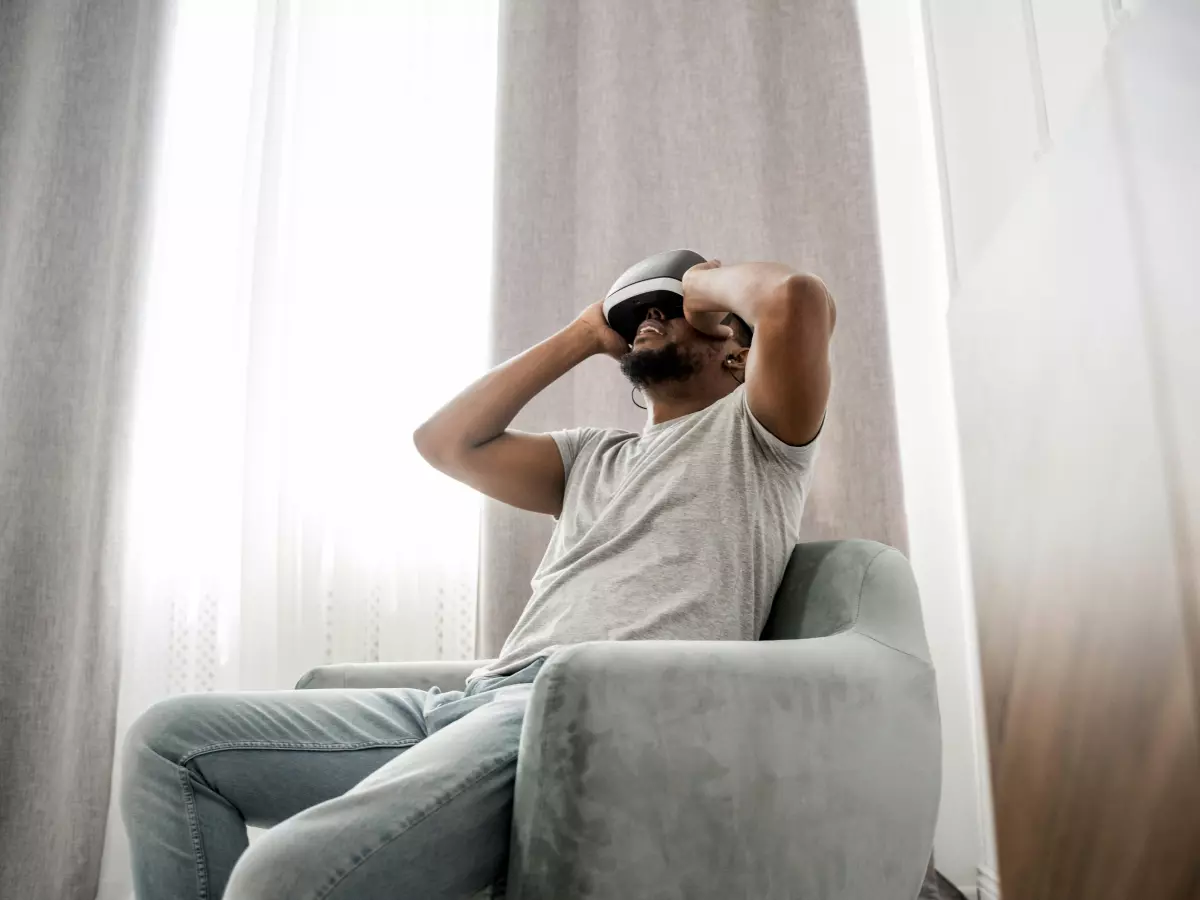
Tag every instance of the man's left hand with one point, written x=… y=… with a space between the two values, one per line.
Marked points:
x=701 y=309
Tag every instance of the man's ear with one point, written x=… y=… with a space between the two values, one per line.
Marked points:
x=737 y=361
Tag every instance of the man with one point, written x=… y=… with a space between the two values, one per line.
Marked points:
x=682 y=532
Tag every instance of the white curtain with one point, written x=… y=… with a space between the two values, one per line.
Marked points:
x=319 y=279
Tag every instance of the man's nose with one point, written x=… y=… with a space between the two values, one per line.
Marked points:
x=656 y=314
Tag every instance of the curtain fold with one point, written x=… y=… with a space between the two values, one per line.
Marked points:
x=741 y=131
x=77 y=85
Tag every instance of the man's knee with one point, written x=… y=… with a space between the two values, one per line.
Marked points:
x=162 y=729
x=259 y=872
x=156 y=742
x=280 y=865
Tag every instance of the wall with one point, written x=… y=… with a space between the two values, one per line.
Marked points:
x=1004 y=79
x=917 y=291
x=966 y=98
x=1069 y=197
x=1007 y=80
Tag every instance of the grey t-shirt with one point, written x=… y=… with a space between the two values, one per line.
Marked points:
x=681 y=532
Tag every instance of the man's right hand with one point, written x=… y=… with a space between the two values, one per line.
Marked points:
x=592 y=323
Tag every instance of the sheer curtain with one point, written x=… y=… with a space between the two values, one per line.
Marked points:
x=319 y=279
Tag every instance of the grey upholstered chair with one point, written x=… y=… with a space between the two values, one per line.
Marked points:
x=806 y=765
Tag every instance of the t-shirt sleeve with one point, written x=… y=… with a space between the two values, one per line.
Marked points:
x=796 y=458
x=571 y=443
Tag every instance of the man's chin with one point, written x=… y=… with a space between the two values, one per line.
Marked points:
x=646 y=366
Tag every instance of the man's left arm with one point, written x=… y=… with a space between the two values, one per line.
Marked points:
x=793 y=316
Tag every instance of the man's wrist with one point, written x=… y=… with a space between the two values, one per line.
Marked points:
x=581 y=341
x=703 y=291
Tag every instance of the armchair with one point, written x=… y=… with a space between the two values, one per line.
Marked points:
x=803 y=765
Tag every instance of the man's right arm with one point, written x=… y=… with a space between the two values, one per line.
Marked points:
x=469 y=439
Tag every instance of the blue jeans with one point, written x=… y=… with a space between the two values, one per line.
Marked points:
x=391 y=793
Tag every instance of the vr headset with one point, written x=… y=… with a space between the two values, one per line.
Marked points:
x=655 y=281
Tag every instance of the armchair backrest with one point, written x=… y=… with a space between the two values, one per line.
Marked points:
x=831 y=587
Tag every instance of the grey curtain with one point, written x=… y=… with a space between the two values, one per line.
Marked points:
x=75 y=88
x=736 y=127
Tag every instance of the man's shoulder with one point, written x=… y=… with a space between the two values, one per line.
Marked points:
x=607 y=435
x=589 y=440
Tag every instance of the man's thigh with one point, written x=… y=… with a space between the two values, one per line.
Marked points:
x=274 y=754
x=433 y=822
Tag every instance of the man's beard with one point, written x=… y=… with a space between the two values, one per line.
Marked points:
x=657 y=365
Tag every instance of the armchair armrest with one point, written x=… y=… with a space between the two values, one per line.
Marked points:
x=449 y=675
x=780 y=769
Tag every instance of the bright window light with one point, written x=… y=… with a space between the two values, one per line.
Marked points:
x=318 y=284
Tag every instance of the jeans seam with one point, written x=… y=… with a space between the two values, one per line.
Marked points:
x=293 y=745
x=417 y=821
x=189 y=802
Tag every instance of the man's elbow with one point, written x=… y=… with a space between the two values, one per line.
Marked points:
x=434 y=447
x=802 y=301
